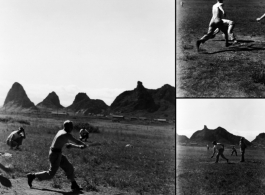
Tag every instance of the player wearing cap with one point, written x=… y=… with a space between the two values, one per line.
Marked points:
x=84 y=134
x=15 y=138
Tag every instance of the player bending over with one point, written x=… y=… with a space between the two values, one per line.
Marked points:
x=15 y=138
x=216 y=22
x=219 y=148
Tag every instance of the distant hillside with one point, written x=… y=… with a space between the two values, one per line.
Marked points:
x=50 y=102
x=141 y=101
x=219 y=134
x=17 y=99
x=182 y=139
x=259 y=140
x=82 y=103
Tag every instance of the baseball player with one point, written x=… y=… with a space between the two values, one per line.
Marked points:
x=219 y=148
x=216 y=22
x=15 y=138
x=57 y=159
x=84 y=134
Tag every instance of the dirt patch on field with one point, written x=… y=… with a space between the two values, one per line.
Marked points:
x=20 y=187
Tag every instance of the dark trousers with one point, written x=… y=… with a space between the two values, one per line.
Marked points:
x=212 y=27
x=220 y=153
x=84 y=137
x=234 y=151
x=242 y=155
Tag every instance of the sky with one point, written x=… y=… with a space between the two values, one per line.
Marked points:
x=101 y=48
x=242 y=117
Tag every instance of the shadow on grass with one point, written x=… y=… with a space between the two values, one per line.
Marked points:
x=251 y=47
x=5 y=181
x=231 y=163
x=238 y=41
x=7 y=170
x=58 y=191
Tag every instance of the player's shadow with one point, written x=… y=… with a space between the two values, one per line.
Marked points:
x=5 y=181
x=244 y=47
x=58 y=191
x=231 y=163
x=239 y=41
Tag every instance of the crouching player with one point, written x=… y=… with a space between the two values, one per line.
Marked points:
x=15 y=138
x=57 y=159
x=84 y=134
x=219 y=148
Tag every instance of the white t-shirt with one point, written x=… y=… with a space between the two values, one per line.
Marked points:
x=14 y=135
x=218 y=146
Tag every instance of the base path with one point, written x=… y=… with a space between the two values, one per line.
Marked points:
x=20 y=187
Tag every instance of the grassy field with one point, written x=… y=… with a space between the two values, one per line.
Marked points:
x=146 y=168
x=218 y=71
x=198 y=174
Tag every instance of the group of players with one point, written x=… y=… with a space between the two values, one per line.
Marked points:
x=219 y=149
x=218 y=23
x=56 y=158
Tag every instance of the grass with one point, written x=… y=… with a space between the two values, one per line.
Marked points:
x=217 y=71
x=146 y=168
x=197 y=173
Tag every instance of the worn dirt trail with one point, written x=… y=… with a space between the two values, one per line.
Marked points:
x=19 y=186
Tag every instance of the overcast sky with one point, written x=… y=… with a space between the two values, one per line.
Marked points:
x=242 y=117
x=100 y=47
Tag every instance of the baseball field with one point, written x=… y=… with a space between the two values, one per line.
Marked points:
x=198 y=174
x=133 y=157
x=219 y=71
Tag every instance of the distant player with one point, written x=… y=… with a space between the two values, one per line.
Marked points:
x=219 y=148
x=260 y=18
x=84 y=134
x=57 y=159
x=229 y=25
x=216 y=22
x=207 y=147
x=233 y=151
x=243 y=147
x=15 y=138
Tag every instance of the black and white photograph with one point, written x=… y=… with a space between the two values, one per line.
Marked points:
x=87 y=97
x=220 y=48
x=220 y=146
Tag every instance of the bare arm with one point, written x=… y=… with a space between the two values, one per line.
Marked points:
x=70 y=145
x=258 y=19
x=222 y=10
x=24 y=134
x=78 y=144
x=213 y=153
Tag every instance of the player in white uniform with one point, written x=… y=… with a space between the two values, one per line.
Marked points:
x=216 y=22
x=219 y=148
